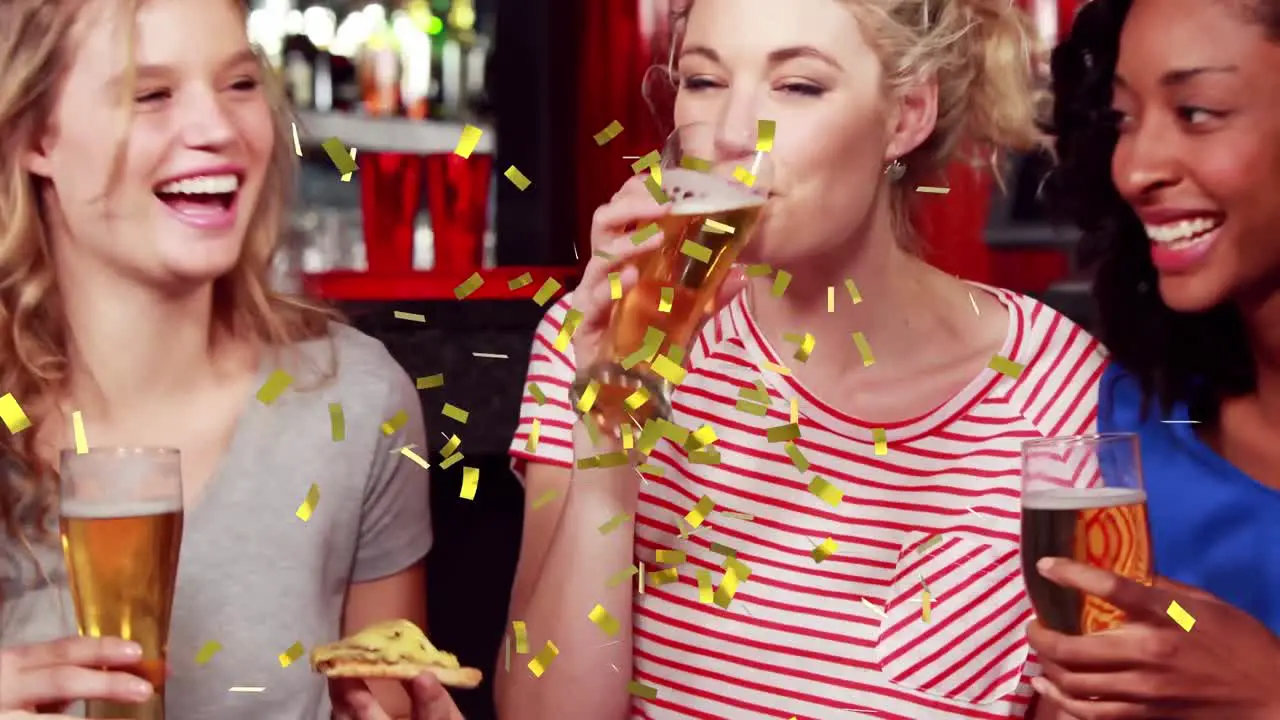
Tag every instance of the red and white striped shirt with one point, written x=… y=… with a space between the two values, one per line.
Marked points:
x=844 y=638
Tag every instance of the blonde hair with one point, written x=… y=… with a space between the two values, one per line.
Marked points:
x=983 y=55
x=36 y=46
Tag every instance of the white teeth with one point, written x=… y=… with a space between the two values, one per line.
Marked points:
x=202 y=185
x=1183 y=230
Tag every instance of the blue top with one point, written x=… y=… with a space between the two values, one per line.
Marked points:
x=1213 y=527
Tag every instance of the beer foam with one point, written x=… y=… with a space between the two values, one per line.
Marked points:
x=1082 y=498
x=101 y=511
x=697 y=193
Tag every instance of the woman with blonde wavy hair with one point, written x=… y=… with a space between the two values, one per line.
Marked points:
x=876 y=555
x=144 y=169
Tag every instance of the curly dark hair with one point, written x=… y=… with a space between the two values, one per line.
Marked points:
x=1194 y=358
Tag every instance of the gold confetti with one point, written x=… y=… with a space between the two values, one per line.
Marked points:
x=538 y=396
x=1005 y=366
x=11 y=412
x=467 y=141
x=517 y=178
x=825 y=491
x=611 y=131
x=415 y=457
x=795 y=411
x=753 y=408
x=77 y=429
x=725 y=550
x=703 y=436
x=642 y=691
x=531 y=445
x=701 y=253
x=337 y=423
x=734 y=573
x=240 y=689
x=656 y=191
x=288 y=657
x=658 y=578
x=491 y=356
x=640 y=579
x=588 y=399
x=450 y=446
x=797 y=458
x=542 y=660
x=881 y=440
x=825 y=550
x=704 y=587
x=925 y=602
x=297 y=145
x=545 y=498
x=864 y=349
x=781 y=282
x=412 y=317
x=854 y=296
x=207 y=651
x=1180 y=616
x=396 y=422
x=773 y=367
x=640 y=236
x=521 y=631
x=666 y=299
x=651 y=160
x=621 y=576
x=831 y=298
x=805 y=342
x=689 y=162
x=470 y=480
x=522 y=281
x=700 y=511
x=717 y=227
x=430 y=381
x=759 y=270
x=277 y=382
x=743 y=176
x=604 y=620
x=783 y=433
x=547 y=291
x=874 y=608
x=468 y=286
x=452 y=460
x=649 y=469
x=704 y=457
x=765 y=130
x=670 y=557
x=636 y=400
x=928 y=544
x=346 y=177
x=338 y=154
x=614 y=523
x=615 y=286
x=308 y=506
x=453 y=412
x=667 y=370
x=933 y=190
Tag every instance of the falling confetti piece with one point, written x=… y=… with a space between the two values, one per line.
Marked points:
x=658 y=578
x=805 y=345
x=522 y=281
x=926 y=600
x=664 y=368
x=928 y=544
x=277 y=382
x=649 y=161
x=735 y=572
x=759 y=270
x=615 y=286
x=450 y=446
x=207 y=651
x=453 y=412
x=611 y=131
x=621 y=576
x=881 y=440
x=288 y=657
x=1180 y=616
x=297 y=145
x=545 y=498
x=538 y=396
x=1005 y=366
x=874 y=608
x=691 y=249
x=470 y=480
x=795 y=411
x=468 y=286
x=689 y=162
x=757 y=409
x=797 y=458
x=773 y=367
x=308 y=506
x=531 y=445
x=452 y=460
x=932 y=190
x=517 y=178
x=614 y=523
x=415 y=457
x=411 y=317
x=338 y=153
x=854 y=296
x=521 y=631
x=642 y=691
x=717 y=227
x=239 y=689
x=547 y=291
x=864 y=349
x=77 y=429
x=743 y=176
x=11 y=412
x=781 y=282
x=467 y=141
x=396 y=422
x=825 y=491
x=705 y=590
x=825 y=550
x=491 y=356
x=656 y=191
x=700 y=511
x=783 y=433
x=670 y=557
x=588 y=399
x=540 y=662
x=765 y=130
x=430 y=382
x=666 y=298
x=831 y=298
x=604 y=620
x=974 y=303
x=346 y=177
x=337 y=423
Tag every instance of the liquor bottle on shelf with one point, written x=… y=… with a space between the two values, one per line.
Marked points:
x=298 y=60
x=380 y=65
x=412 y=28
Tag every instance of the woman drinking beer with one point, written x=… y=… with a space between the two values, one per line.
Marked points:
x=1169 y=136
x=144 y=168
x=855 y=547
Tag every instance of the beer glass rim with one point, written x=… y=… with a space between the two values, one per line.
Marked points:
x=1082 y=439
x=121 y=451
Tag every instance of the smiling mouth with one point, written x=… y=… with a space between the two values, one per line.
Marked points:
x=202 y=194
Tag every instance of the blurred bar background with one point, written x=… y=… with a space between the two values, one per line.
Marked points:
x=397 y=81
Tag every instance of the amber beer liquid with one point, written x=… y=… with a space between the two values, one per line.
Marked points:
x=707 y=211
x=1103 y=527
x=123 y=565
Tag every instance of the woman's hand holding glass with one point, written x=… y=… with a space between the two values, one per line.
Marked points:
x=46 y=677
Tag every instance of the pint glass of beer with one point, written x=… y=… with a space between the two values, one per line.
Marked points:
x=716 y=187
x=121 y=522
x=1083 y=498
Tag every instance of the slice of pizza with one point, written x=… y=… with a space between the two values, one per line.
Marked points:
x=395 y=649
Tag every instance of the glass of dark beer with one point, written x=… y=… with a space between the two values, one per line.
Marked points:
x=716 y=186
x=1083 y=498
x=120 y=515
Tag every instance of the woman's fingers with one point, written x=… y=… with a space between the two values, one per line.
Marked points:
x=84 y=651
x=353 y=700
x=51 y=685
x=430 y=700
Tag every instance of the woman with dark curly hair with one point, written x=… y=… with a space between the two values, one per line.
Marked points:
x=1169 y=133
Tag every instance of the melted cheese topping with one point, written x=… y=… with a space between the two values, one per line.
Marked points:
x=392 y=641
